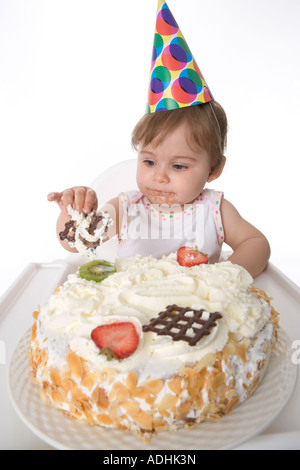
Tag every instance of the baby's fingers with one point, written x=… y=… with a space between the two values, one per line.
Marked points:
x=81 y=198
x=58 y=198
x=54 y=197
x=85 y=199
x=68 y=199
x=63 y=199
x=91 y=201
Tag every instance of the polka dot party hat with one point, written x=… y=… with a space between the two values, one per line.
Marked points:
x=175 y=80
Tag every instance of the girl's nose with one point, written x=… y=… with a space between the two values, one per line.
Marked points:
x=161 y=175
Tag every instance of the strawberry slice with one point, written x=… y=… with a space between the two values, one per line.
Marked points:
x=120 y=338
x=188 y=256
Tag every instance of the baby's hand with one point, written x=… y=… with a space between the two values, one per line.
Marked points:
x=81 y=198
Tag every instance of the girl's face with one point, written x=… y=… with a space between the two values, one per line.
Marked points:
x=171 y=173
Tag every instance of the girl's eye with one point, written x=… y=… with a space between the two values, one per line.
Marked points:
x=149 y=162
x=177 y=166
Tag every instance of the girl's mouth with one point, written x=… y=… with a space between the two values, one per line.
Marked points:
x=161 y=197
x=158 y=192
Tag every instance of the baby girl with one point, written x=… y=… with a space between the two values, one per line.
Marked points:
x=179 y=151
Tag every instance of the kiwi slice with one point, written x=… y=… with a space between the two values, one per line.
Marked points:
x=96 y=270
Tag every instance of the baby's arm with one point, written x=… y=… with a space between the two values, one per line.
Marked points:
x=83 y=199
x=250 y=247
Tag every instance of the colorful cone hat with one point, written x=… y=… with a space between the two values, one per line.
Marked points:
x=175 y=80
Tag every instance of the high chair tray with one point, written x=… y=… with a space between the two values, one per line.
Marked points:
x=37 y=282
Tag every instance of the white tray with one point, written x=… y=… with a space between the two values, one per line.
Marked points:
x=34 y=286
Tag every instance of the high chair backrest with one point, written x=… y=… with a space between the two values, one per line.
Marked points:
x=117 y=178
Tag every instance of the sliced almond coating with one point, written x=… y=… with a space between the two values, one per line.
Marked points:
x=67 y=385
x=114 y=412
x=132 y=408
x=36 y=314
x=175 y=385
x=119 y=392
x=151 y=400
x=168 y=402
x=230 y=348
x=218 y=380
x=80 y=404
x=78 y=394
x=46 y=387
x=154 y=386
x=232 y=403
x=235 y=348
x=215 y=416
x=105 y=420
x=58 y=397
x=43 y=359
x=33 y=332
x=160 y=424
x=253 y=385
x=141 y=392
x=261 y=364
x=109 y=372
x=99 y=396
x=69 y=414
x=55 y=377
x=44 y=396
x=183 y=409
x=75 y=365
x=230 y=393
x=206 y=361
x=190 y=372
x=131 y=381
x=89 y=381
x=103 y=401
x=144 y=420
x=88 y=413
x=77 y=414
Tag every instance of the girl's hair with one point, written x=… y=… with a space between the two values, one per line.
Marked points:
x=206 y=124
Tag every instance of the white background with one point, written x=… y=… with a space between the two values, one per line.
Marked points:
x=74 y=81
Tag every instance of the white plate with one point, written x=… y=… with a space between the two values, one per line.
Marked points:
x=246 y=421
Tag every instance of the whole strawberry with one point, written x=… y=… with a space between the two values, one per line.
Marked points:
x=189 y=257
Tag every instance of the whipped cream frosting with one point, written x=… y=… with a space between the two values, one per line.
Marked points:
x=83 y=222
x=140 y=289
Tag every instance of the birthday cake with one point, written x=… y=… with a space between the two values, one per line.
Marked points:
x=152 y=345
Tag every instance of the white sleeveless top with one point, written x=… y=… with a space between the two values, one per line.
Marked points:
x=146 y=230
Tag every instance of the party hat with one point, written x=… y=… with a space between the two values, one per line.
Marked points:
x=175 y=80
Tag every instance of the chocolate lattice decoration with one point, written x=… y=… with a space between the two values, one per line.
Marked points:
x=176 y=321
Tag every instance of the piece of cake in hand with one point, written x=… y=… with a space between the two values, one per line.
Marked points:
x=155 y=346
x=86 y=232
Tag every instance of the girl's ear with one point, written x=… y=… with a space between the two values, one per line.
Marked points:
x=217 y=171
